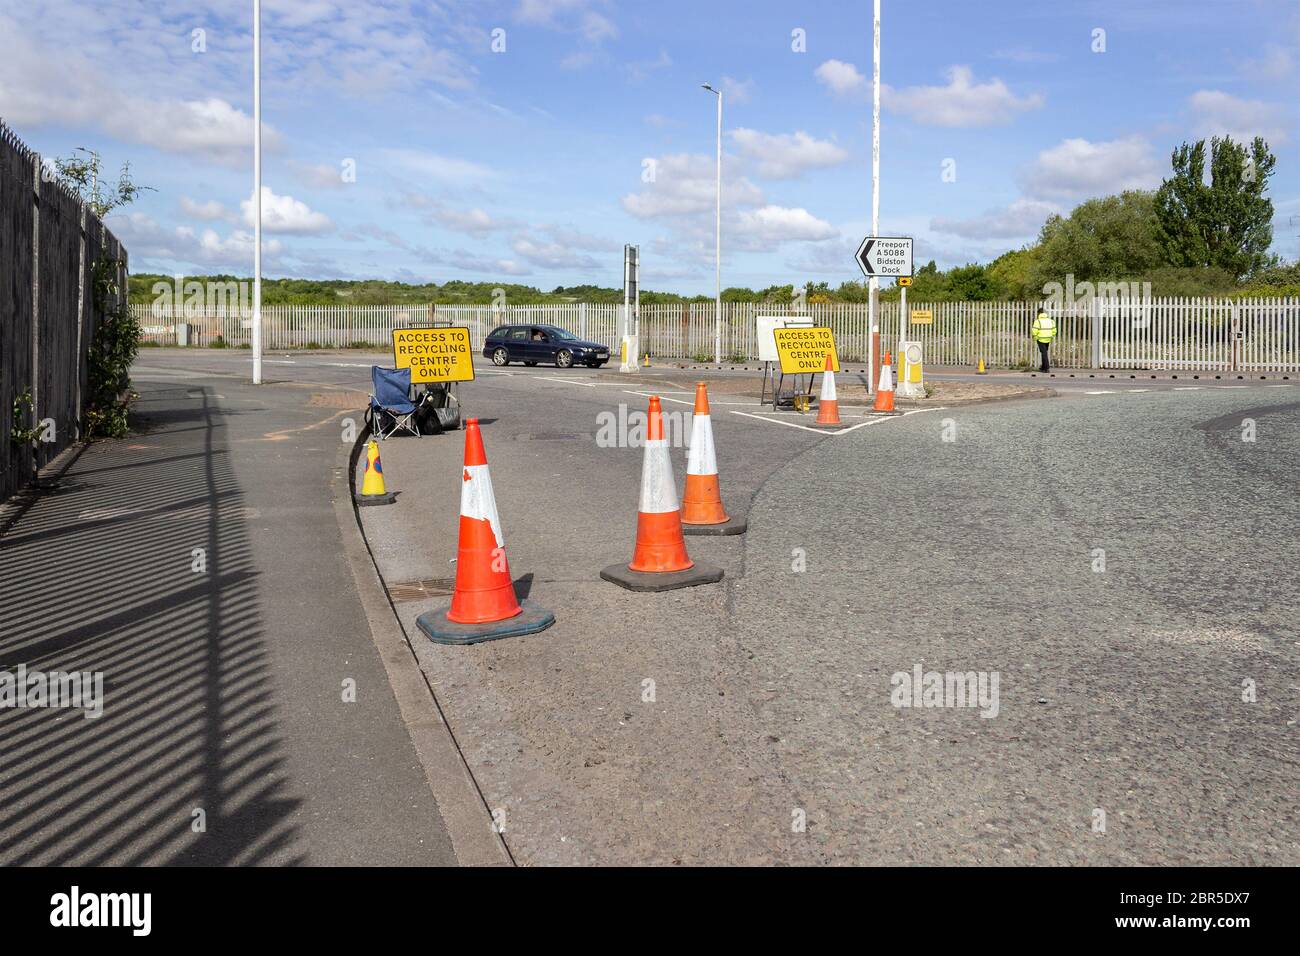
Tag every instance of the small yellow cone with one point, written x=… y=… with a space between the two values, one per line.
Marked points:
x=372 y=482
x=981 y=370
x=647 y=360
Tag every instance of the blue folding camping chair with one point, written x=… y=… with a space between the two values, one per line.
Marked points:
x=391 y=409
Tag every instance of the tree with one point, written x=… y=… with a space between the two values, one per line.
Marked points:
x=1226 y=222
x=82 y=173
x=1102 y=240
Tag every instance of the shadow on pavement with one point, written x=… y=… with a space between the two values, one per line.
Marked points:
x=139 y=567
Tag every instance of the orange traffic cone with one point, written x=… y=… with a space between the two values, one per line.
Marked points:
x=828 y=409
x=702 y=511
x=483 y=603
x=659 y=561
x=885 y=390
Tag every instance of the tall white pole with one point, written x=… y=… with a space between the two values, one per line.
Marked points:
x=717 y=251
x=257 y=192
x=874 y=294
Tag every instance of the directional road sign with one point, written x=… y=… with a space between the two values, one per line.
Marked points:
x=885 y=256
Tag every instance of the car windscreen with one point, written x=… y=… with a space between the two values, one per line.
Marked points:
x=560 y=334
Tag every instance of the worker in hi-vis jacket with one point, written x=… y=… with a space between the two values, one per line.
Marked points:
x=1043 y=330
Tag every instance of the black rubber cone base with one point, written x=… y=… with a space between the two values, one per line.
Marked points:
x=385 y=499
x=829 y=427
x=442 y=631
x=730 y=526
x=624 y=577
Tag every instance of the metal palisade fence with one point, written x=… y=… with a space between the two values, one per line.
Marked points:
x=49 y=242
x=1157 y=333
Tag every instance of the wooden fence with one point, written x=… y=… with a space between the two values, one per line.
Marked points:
x=49 y=241
x=1245 y=334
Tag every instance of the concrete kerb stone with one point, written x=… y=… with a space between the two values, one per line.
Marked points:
x=464 y=810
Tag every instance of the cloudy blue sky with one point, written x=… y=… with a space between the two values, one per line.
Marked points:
x=586 y=126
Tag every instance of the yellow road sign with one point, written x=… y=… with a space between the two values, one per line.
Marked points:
x=801 y=351
x=922 y=317
x=905 y=281
x=434 y=355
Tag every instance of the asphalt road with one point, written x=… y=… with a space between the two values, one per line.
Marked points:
x=225 y=736
x=962 y=540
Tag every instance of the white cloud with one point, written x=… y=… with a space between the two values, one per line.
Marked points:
x=962 y=103
x=208 y=211
x=1024 y=217
x=786 y=155
x=40 y=88
x=771 y=224
x=319 y=175
x=1076 y=169
x=1217 y=114
x=148 y=240
x=686 y=185
x=432 y=166
x=473 y=262
x=1276 y=64
x=285 y=215
x=683 y=197
x=737 y=92
x=842 y=78
x=551 y=255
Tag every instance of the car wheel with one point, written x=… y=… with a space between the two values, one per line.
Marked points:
x=564 y=359
x=500 y=357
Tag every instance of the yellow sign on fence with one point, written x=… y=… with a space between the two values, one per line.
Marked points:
x=922 y=317
x=802 y=351
x=434 y=355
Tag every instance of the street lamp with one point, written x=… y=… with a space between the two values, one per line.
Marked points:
x=257 y=192
x=717 y=248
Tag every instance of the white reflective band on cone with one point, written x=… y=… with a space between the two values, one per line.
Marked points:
x=478 y=501
x=886 y=378
x=701 y=460
x=828 y=387
x=658 y=491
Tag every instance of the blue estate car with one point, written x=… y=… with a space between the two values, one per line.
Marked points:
x=531 y=344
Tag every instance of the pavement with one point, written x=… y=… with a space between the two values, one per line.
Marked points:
x=199 y=567
x=757 y=720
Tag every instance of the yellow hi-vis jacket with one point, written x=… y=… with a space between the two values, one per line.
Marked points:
x=1043 y=329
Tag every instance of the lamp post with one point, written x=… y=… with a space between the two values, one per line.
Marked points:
x=717 y=247
x=257 y=192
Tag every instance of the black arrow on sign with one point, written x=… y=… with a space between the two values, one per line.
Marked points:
x=866 y=257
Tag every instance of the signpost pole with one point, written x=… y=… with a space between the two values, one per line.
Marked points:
x=257 y=192
x=874 y=294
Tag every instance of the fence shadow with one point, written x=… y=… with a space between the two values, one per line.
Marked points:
x=185 y=766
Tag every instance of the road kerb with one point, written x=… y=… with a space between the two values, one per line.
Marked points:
x=460 y=802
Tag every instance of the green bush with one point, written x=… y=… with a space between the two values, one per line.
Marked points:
x=116 y=342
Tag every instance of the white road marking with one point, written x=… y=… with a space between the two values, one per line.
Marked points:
x=1104 y=392
x=1279 y=386
x=1188 y=388
x=567 y=381
x=662 y=398
x=841 y=431
x=777 y=421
